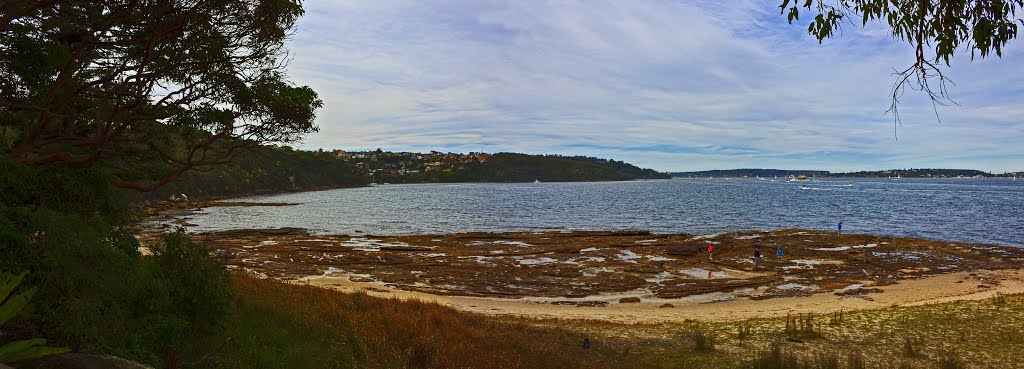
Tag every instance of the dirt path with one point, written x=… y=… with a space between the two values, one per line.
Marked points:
x=932 y=289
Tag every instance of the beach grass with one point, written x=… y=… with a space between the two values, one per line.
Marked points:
x=278 y=325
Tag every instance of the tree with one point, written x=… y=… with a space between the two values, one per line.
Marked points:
x=150 y=88
x=936 y=29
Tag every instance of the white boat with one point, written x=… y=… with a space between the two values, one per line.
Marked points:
x=536 y=181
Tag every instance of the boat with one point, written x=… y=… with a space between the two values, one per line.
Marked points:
x=536 y=181
x=746 y=177
x=801 y=177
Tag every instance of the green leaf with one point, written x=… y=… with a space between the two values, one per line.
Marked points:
x=28 y=349
x=14 y=304
x=7 y=285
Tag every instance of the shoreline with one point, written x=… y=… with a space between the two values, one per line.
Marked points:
x=916 y=292
x=628 y=276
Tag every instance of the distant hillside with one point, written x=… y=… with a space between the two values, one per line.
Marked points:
x=917 y=173
x=512 y=167
x=263 y=169
x=904 y=173
x=732 y=173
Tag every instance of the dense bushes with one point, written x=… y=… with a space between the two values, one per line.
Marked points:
x=96 y=293
x=264 y=169
x=512 y=167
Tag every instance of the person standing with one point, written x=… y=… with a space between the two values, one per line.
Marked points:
x=757 y=257
x=711 y=250
x=840 y=226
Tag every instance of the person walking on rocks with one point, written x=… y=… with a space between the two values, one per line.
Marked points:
x=757 y=257
x=711 y=250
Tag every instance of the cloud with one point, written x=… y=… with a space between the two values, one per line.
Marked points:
x=668 y=85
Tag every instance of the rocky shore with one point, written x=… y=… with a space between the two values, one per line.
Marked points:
x=601 y=268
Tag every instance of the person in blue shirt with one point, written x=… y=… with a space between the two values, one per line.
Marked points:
x=840 y=228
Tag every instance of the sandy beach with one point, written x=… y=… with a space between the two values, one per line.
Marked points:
x=631 y=277
x=934 y=289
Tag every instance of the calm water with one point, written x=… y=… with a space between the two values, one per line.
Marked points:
x=970 y=210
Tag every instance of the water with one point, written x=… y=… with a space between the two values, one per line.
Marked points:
x=968 y=210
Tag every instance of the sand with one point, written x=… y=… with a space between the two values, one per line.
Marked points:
x=975 y=285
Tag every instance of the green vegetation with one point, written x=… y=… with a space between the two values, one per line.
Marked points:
x=512 y=167
x=935 y=29
x=10 y=305
x=263 y=169
x=95 y=291
x=146 y=89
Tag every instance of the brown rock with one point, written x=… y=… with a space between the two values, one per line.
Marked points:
x=667 y=305
x=626 y=300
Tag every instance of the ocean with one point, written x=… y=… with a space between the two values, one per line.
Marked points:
x=966 y=210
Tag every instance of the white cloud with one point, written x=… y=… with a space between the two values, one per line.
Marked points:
x=660 y=84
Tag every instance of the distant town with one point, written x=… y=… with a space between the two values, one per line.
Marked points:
x=388 y=163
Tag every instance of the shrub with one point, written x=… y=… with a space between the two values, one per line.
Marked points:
x=951 y=361
x=703 y=340
x=912 y=346
x=95 y=293
x=183 y=294
x=744 y=331
x=24 y=349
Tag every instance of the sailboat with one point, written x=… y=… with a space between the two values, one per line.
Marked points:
x=536 y=181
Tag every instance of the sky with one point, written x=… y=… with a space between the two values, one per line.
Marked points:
x=668 y=85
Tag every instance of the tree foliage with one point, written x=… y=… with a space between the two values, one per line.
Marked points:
x=935 y=29
x=152 y=87
x=95 y=292
x=264 y=169
x=11 y=304
x=513 y=167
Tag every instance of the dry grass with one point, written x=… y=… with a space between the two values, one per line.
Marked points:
x=281 y=325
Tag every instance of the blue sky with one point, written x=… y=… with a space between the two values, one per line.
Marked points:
x=670 y=85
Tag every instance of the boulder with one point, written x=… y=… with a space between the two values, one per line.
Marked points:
x=626 y=300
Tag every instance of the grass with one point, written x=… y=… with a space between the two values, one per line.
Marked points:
x=703 y=340
x=743 y=330
x=802 y=326
x=912 y=346
x=277 y=325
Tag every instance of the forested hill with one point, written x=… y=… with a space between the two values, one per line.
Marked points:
x=512 y=167
x=264 y=169
x=268 y=169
